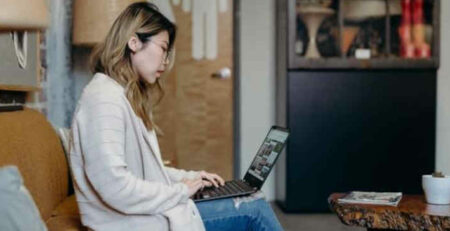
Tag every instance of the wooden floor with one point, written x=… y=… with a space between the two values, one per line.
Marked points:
x=311 y=222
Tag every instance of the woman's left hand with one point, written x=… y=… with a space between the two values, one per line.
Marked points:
x=215 y=179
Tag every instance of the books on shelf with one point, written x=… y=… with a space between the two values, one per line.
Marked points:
x=375 y=198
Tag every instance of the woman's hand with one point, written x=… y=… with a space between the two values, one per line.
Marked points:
x=212 y=178
x=195 y=185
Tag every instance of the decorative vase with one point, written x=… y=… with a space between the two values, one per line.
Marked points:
x=348 y=36
x=404 y=31
x=422 y=49
x=313 y=17
x=437 y=189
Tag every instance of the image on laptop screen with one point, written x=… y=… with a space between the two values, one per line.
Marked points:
x=267 y=154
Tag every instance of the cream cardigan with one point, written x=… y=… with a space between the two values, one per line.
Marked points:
x=119 y=178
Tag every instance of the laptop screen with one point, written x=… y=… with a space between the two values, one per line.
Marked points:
x=266 y=156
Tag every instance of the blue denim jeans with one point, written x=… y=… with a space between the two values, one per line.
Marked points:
x=223 y=215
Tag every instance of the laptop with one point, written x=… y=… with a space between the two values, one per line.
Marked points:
x=256 y=174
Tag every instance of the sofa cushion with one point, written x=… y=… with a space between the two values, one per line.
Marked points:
x=68 y=207
x=66 y=216
x=64 y=137
x=17 y=209
x=29 y=142
x=66 y=223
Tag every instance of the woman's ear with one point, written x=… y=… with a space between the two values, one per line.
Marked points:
x=134 y=44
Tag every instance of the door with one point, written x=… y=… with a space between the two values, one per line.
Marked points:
x=196 y=114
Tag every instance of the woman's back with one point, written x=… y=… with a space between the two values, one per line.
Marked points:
x=104 y=146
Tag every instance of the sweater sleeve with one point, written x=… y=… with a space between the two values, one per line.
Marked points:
x=102 y=127
x=176 y=175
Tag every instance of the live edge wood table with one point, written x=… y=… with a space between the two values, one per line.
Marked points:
x=412 y=213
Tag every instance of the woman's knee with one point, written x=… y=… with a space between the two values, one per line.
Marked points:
x=253 y=208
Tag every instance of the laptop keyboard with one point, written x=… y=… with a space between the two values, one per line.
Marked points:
x=230 y=189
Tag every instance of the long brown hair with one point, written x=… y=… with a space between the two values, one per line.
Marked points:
x=112 y=56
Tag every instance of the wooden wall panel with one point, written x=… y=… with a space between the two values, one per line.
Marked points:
x=196 y=114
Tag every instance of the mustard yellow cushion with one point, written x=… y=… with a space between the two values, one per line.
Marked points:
x=68 y=207
x=66 y=216
x=66 y=223
x=28 y=141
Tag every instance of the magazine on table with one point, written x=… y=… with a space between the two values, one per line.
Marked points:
x=375 y=198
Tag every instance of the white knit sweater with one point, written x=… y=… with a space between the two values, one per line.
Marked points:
x=119 y=178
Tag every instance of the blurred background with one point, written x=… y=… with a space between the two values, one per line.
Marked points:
x=361 y=84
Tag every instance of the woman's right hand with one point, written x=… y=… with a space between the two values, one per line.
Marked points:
x=195 y=185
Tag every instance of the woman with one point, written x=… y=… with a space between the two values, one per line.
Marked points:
x=120 y=181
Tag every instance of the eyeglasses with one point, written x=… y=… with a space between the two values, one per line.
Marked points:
x=148 y=38
x=166 y=53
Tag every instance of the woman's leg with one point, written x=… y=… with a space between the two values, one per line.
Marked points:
x=223 y=215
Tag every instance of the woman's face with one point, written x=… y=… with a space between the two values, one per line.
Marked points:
x=149 y=58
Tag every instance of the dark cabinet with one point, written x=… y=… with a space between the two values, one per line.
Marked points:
x=356 y=130
x=355 y=124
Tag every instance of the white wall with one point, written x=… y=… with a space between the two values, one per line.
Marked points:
x=257 y=81
x=443 y=96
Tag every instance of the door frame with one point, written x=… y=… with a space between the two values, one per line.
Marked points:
x=236 y=90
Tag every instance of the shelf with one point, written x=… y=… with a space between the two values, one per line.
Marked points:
x=380 y=33
x=4 y=87
x=375 y=63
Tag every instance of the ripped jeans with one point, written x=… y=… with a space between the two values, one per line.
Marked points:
x=232 y=215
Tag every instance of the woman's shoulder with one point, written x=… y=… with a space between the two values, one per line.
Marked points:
x=102 y=88
x=101 y=81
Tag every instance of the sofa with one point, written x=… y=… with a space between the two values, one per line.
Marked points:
x=28 y=141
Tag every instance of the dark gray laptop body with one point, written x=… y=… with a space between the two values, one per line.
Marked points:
x=257 y=173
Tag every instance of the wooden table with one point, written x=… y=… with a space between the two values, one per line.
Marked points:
x=412 y=213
